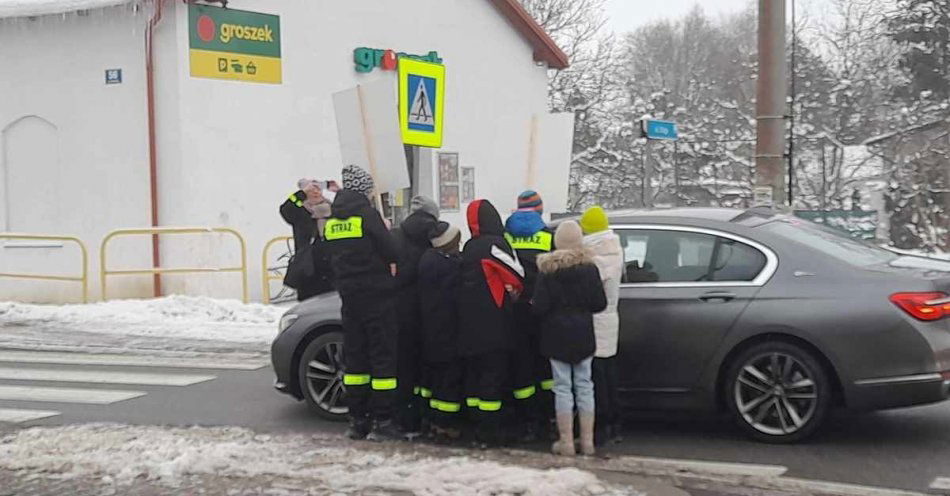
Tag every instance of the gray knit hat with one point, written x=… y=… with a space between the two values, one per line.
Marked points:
x=357 y=179
x=425 y=204
x=443 y=234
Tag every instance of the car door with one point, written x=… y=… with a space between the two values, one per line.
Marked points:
x=682 y=290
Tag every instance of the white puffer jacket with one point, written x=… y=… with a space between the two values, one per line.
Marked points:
x=608 y=255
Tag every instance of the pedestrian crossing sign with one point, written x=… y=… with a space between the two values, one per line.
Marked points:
x=421 y=102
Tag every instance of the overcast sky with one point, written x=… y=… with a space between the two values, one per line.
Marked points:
x=627 y=15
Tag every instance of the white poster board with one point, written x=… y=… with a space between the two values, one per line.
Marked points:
x=367 y=124
x=551 y=147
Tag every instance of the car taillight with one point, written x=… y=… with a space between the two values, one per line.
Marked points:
x=923 y=306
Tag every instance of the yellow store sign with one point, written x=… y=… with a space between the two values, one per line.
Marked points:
x=234 y=44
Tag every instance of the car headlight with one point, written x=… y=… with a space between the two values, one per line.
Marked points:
x=286 y=321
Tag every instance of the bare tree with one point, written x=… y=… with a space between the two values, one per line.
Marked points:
x=589 y=88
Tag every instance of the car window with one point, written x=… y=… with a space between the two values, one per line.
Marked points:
x=682 y=256
x=830 y=242
x=737 y=261
x=666 y=256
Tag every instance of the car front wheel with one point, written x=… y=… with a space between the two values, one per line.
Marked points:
x=778 y=392
x=321 y=376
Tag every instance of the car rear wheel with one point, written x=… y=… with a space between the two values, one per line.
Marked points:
x=321 y=376
x=778 y=392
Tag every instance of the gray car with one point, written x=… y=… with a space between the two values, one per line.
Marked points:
x=771 y=318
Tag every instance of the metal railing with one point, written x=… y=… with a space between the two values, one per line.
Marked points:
x=103 y=267
x=267 y=274
x=84 y=278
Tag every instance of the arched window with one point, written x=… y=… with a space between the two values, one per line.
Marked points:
x=31 y=176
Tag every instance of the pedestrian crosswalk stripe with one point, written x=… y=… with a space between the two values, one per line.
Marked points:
x=14 y=416
x=941 y=483
x=102 y=377
x=127 y=360
x=66 y=395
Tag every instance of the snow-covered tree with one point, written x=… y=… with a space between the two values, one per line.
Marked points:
x=845 y=74
x=922 y=27
x=589 y=88
x=700 y=74
x=917 y=146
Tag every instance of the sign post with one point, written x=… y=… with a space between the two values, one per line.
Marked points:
x=652 y=129
x=421 y=102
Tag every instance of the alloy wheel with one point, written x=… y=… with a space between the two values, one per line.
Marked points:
x=325 y=379
x=776 y=394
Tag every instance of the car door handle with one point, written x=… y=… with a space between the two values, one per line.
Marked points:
x=717 y=296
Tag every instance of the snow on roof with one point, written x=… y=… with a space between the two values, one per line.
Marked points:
x=30 y=8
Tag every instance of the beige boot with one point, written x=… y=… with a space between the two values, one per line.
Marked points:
x=565 y=427
x=587 y=434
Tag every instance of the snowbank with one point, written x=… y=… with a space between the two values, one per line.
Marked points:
x=25 y=8
x=169 y=456
x=198 y=318
x=919 y=253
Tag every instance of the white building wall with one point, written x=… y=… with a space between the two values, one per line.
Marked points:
x=230 y=152
x=73 y=150
x=243 y=145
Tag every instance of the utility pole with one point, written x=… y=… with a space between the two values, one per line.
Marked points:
x=770 y=105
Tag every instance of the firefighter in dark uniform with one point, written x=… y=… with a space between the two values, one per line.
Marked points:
x=492 y=278
x=527 y=233
x=412 y=240
x=363 y=256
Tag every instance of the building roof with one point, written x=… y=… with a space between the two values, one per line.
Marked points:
x=30 y=8
x=545 y=49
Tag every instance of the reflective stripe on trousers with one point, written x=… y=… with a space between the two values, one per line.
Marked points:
x=385 y=384
x=445 y=406
x=524 y=393
x=356 y=379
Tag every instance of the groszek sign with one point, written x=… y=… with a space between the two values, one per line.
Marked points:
x=421 y=102
x=367 y=59
x=659 y=130
x=234 y=44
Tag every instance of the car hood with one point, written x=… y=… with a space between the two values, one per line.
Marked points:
x=325 y=303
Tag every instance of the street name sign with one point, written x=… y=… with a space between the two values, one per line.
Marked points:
x=659 y=130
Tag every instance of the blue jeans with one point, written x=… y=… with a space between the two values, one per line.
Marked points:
x=572 y=384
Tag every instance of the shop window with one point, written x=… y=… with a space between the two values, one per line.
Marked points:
x=468 y=184
x=449 y=182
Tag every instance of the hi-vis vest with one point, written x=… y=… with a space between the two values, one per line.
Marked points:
x=540 y=241
x=351 y=228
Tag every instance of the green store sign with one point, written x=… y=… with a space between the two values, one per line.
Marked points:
x=367 y=59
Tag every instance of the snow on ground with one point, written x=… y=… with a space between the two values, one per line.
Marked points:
x=169 y=318
x=919 y=253
x=123 y=454
x=24 y=8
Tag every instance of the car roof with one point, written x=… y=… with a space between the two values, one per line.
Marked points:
x=636 y=215
x=682 y=215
